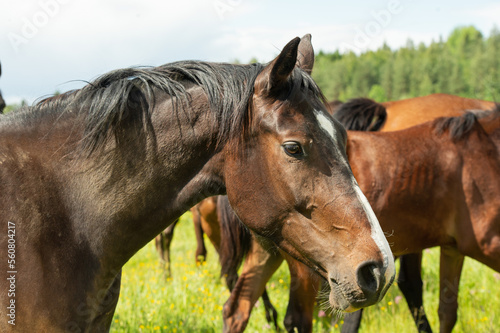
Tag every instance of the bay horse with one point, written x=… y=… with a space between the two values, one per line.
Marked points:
x=367 y=115
x=427 y=188
x=364 y=114
x=2 y=102
x=90 y=176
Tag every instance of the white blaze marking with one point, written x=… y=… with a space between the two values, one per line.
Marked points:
x=377 y=233
x=325 y=123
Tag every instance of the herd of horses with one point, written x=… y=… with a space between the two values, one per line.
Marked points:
x=90 y=176
x=432 y=180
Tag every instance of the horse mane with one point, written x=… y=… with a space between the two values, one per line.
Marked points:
x=235 y=240
x=334 y=106
x=112 y=96
x=361 y=114
x=128 y=95
x=461 y=126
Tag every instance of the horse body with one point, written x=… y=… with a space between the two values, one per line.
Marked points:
x=434 y=179
x=410 y=189
x=367 y=115
x=413 y=111
x=364 y=114
x=36 y=197
x=89 y=177
x=80 y=222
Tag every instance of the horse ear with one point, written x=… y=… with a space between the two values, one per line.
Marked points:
x=283 y=65
x=305 y=56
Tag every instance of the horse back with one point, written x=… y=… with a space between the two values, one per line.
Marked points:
x=413 y=111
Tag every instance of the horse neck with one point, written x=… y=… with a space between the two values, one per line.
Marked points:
x=141 y=193
x=481 y=176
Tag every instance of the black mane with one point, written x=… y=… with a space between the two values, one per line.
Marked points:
x=129 y=94
x=459 y=127
x=235 y=241
x=361 y=114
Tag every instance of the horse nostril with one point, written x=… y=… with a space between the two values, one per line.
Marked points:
x=369 y=276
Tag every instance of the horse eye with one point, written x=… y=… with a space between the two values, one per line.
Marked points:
x=293 y=149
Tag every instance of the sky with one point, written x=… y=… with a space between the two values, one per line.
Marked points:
x=58 y=45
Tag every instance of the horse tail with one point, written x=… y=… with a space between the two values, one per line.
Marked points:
x=361 y=114
x=235 y=241
x=334 y=105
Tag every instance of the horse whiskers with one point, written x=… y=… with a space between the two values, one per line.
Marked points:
x=389 y=234
x=324 y=303
x=337 y=313
x=323 y=298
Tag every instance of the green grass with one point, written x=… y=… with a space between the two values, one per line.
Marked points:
x=191 y=301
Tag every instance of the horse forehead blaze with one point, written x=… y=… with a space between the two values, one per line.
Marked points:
x=325 y=123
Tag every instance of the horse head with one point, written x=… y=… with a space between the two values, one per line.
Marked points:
x=292 y=162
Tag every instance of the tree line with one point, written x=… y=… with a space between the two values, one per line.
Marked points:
x=466 y=64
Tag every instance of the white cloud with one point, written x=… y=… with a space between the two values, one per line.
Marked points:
x=490 y=12
x=82 y=39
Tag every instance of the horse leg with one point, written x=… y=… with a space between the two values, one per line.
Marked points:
x=451 y=263
x=303 y=291
x=201 y=250
x=352 y=321
x=258 y=268
x=271 y=313
x=410 y=283
x=102 y=322
x=162 y=242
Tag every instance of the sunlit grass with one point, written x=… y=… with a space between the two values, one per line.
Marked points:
x=191 y=300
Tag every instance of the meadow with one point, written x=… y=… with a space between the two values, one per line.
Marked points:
x=191 y=299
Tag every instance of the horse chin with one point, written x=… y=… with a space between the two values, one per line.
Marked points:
x=338 y=300
x=342 y=299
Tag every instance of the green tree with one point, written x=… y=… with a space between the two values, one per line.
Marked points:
x=377 y=93
x=465 y=64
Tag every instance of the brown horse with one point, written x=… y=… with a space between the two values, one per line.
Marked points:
x=427 y=177
x=90 y=176
x=367 y=115
x=363 y=114
x=2 y=102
